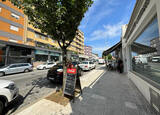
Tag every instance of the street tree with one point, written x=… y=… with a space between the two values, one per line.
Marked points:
x=59 y=19
x=109 y=56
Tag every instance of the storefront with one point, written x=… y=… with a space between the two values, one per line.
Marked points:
x=46 y=55
x=54 y=56
x=2 y=54
x=15 y=53
x=141 y=47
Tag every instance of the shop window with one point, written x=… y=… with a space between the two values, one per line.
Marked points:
x=14 y=15
x=14 y=28
x=146 y=52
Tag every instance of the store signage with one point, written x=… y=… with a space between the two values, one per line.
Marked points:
x=70 y=81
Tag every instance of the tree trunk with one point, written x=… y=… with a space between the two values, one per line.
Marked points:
x=64 y=57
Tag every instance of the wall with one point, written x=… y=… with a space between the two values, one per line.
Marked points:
x=142 y=83
x=6 y=20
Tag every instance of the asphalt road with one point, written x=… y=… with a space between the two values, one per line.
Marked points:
x=32 y=87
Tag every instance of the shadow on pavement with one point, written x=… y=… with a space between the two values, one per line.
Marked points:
x=37 y=83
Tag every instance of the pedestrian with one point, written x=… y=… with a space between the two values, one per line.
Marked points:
x=120 y=66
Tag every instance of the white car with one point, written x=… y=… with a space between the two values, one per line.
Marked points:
x=46 y=66
x=87 y=65
x=156 y=59
x=8 y=92
x=15 y=68
x=101 y=61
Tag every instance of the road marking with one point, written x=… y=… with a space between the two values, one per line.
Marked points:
x=130 y=105
x=91 y=86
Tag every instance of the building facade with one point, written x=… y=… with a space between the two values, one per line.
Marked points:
x=140 y=48
x=46 y=49
x=21 y=42
x=12 y=47
x=78 y=43
x=88 y=51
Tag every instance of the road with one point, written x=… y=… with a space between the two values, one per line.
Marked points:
x=32 y=87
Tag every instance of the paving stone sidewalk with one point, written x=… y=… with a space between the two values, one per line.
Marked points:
x=113 y=94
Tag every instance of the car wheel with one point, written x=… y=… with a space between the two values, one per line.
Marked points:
x=2 y=74
x=26 y=70
x=44 y=68
x=1 y=107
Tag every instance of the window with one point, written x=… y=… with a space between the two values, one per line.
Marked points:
x=84 y=62
x=14 y=15
x=37 y=35
x=43 y=37
x=13 y=66
x=14 y=28
x=145 y=55
x=30 y=40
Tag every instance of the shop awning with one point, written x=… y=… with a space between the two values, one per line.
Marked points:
x=142 y=49
x=54 y=54
x=113 y=48
x=41 y=52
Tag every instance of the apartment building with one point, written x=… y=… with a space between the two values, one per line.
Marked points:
x=88 y=51
x=21 y=42
x=46 y=49
x=78 y=43
x=12 y=47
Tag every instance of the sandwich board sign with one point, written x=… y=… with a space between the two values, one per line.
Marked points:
x=71 y=82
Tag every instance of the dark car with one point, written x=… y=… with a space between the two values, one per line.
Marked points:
x=55 y=74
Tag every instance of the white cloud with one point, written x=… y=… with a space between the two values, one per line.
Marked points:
x=97 y=13
x=109 y=31
x=99 y=49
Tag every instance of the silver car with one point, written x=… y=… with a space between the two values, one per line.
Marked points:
x=15 y=68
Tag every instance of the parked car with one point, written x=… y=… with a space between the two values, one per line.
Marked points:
x=55 y=74
x=15 y=68
x=156 y=59
x=101 y=61
x=46 y=66
x=87 y=65
x=8 y=92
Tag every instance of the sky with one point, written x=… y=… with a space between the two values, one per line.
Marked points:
x=102 y=23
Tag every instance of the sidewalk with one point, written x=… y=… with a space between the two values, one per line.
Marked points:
x=113 y=94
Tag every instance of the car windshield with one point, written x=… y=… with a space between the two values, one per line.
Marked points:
x=84 y=62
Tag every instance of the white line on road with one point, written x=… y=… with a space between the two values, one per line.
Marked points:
x=91 y=86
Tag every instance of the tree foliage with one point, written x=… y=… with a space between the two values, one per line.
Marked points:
x=109 y=56
x=58 y=18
